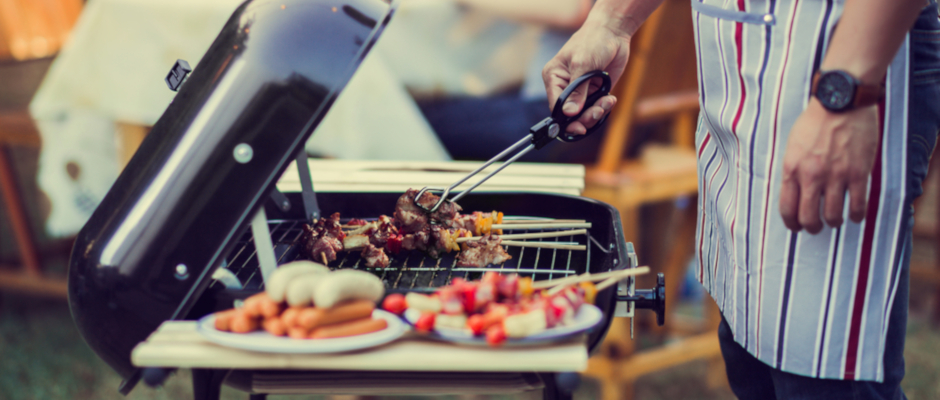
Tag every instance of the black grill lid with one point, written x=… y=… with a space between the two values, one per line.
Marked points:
x=209 y=162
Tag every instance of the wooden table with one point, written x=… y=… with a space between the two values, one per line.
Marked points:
x=409 y=365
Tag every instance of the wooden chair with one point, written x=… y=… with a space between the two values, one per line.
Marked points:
x=29 y=29
x=659 y=87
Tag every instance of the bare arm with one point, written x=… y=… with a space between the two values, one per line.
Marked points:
x=561 y=14
x=602 y=43
x=830 y=154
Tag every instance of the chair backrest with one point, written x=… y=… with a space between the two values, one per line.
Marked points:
x=35 y=28
x=660 y=81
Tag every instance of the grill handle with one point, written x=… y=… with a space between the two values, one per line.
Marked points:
x=652 y=299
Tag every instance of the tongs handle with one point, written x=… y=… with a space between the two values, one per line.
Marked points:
x=592 y=98
x=555 y=125
x=539 y=135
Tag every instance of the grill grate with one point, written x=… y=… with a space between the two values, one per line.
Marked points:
x=413 y=270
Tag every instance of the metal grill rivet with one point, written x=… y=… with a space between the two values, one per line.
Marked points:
x=243 y=153
x=768 y=18
x=181 y=271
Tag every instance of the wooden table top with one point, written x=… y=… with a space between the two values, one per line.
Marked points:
x=177 y=344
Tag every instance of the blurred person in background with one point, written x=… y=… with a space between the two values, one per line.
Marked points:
x=479 y=125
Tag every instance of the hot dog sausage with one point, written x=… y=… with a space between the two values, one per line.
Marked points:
x=274 y=326
x=349 y=328
x=296 y=332
x=223 y=320
x=316 y=317
x=244 y=323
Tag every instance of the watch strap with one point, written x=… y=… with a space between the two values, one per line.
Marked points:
x=868 y=94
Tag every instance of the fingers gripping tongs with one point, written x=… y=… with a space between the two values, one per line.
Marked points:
x=540 y=134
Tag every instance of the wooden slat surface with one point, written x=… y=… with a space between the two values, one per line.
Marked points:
x=398 y=176
x=177 y=344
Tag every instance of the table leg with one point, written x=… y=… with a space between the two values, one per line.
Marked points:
x=207 y=383
x=257 y=396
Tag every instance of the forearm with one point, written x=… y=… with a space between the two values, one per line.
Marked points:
x=622 y=16
x=868 y=36
x=568 y=14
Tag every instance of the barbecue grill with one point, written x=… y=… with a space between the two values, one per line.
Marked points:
x=194 y=222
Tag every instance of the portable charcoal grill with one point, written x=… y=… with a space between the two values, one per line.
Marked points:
x=197 y=204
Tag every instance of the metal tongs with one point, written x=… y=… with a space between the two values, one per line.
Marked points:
x=539 y=135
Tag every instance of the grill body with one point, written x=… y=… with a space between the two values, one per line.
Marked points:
x=209 y=162
x=412 y=271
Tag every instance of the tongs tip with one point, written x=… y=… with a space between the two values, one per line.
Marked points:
x=444 y=193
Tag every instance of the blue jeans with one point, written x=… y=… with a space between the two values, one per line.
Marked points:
x=752 y=379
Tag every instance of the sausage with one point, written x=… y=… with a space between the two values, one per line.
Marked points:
x=244 y=323
x=262 y=305
x=276 y=286
x=349 y=328
x=311 y=318
x=347 y=284
x=289 y=316
x=223 y=320
x=274 y=326
x=270 y=308
x=301 y=290
x=296 y=332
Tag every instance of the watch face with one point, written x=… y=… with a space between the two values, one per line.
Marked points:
x=835 y=90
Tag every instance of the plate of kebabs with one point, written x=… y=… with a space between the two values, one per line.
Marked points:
x=506 y=310
x=306 y=308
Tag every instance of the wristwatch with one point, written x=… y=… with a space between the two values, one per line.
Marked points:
x=839 y=91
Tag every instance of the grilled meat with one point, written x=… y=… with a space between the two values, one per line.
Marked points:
x=485 y=251
x=323 y=239
x=374 y=257
x=412 y=218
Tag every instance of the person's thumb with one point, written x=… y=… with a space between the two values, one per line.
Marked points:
x=575 y=101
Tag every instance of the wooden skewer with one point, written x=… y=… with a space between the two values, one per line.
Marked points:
x=543 y=221
x=529 y=235
x=326 y=261
x=613 y=280
x=616 y=276
x=541 y=225
x=544 y=245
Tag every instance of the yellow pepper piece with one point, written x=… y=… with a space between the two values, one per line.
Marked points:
x=590 y=291
x=525 y=286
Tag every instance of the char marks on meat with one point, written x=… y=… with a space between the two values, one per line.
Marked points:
x=374 y=257
x=485 y=251
x=323 y=239
x=384 y=229
x=412 y=218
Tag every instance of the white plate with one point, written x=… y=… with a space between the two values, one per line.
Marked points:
x=587 y=317
x=266 y=342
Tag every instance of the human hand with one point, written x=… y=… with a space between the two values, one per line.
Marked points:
x=827 y=154
x=595 y=46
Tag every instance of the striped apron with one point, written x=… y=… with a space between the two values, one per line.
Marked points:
x=812 y=305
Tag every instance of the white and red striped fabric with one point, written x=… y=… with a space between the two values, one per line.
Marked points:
x=813 y=305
